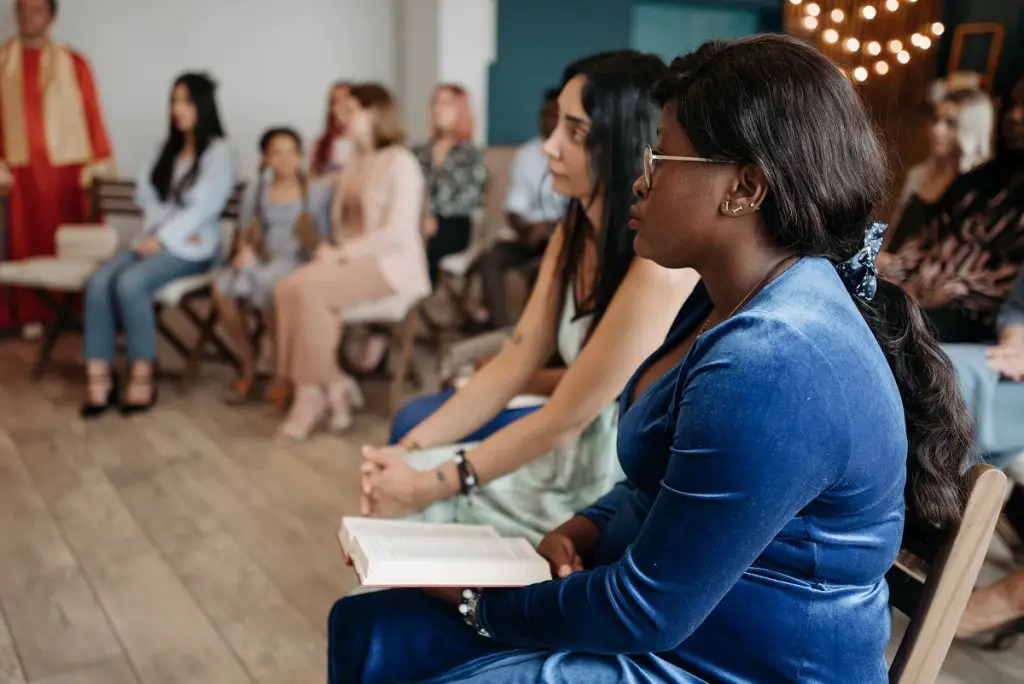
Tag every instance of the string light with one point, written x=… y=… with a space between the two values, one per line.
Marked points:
x=868 y=12
x=813 y=9
x=852 y=45
x=795 y=2
x=892 y=5
x=895 y=46
x=903 y=57
x=924 y=43
x=874 y=48
x=881 y=68
x=860 y=74
x=830 y=36
x=838 y=16
x=938 y=29
x=810 y=23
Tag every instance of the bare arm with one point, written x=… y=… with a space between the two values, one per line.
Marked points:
x=632 y=329
x=508 y=373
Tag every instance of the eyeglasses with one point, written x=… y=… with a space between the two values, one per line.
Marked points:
x=650 y=158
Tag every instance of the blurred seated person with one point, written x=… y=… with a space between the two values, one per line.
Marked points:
x=592 y=304
x=990 y=379
x=961 y=139
x=182 y=193
x=282 y=222
x=961 y=266
x=375 y=252
x=331 y=150
x=453 y=167
x=533 y=209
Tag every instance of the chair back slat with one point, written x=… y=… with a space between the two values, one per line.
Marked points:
x=935 y=596
x=116 y=197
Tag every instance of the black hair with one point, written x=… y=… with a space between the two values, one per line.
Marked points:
x=53 y=7
x=623 y=120
x=201 y=90
x=777 y=102
x=585 y=63
x=550 y=95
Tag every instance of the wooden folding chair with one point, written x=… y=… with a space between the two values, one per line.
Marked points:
x=934 y=576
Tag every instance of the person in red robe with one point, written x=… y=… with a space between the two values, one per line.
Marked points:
x=53 y=141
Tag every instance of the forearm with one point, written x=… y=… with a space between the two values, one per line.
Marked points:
x=544 y=382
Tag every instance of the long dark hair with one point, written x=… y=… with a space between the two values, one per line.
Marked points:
x=778 y=103
x=201 y=90
x=623 y=119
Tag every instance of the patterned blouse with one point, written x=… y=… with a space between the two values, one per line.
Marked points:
x=967 y=258
x=455 y=188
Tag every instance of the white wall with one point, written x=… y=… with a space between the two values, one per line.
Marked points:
x=273 y=60
x=468 y=45
x=444 y=41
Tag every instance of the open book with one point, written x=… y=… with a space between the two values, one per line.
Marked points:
x=396 y=553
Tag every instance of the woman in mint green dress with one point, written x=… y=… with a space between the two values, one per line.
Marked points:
x=601 y=308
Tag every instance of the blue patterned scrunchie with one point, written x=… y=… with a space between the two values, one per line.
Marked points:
x=859 y=272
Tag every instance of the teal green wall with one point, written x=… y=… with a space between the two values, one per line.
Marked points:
x=538 y=38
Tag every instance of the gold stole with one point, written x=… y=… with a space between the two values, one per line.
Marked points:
x=67 y=134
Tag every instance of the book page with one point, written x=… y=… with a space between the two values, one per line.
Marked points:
x=442 y=562
x=352 y=528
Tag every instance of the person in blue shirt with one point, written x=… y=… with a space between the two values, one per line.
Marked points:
x=797 y=411
x=182 y=193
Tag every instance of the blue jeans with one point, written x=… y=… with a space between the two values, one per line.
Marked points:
x=122 y=291
x=419 y=409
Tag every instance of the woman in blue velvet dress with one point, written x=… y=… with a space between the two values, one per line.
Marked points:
x=770 y=447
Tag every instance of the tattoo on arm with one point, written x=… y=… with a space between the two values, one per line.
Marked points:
x=440 y=476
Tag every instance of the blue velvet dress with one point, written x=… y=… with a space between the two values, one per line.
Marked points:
x=762 y=507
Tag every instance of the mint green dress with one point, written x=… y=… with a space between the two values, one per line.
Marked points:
x=546 y=492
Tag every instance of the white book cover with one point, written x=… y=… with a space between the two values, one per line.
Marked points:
x=396 y=553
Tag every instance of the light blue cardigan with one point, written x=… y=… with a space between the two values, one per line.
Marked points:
x=190 y=231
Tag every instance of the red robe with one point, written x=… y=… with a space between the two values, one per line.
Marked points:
x=45 y=196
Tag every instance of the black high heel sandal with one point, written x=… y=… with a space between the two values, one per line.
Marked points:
x=92 y=411
x=130 y=409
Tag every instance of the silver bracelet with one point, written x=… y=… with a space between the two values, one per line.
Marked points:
x=468 y=611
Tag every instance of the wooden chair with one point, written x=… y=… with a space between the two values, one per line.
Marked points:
x=61 y=279
x=933 y=577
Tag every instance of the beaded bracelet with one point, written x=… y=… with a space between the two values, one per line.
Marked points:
x=468 y=480
x=468 y=610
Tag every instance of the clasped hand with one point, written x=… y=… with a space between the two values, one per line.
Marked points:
x=1007 y=360
x=390 y=487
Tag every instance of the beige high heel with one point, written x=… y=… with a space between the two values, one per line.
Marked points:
x=298 y=427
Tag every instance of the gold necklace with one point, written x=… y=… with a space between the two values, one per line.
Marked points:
x=760 y=283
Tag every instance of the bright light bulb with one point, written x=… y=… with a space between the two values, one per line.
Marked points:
x=938 y=29
x=810 y=23
x=874 y=48
x=916 y=39
x=860 y=74
x=813 y=10
x=838 y=16
x=924 y=43
x=881 y=68
x=892 y=5
x=868 y=12
x=903 y=57
x=795 y=2
x=895 y=46
x=830 y=36
x=852 y=45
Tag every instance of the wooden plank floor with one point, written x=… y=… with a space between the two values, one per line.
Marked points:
x=185 y=545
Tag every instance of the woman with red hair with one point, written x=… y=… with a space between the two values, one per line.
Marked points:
x=331 y=151
x=454 y=170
